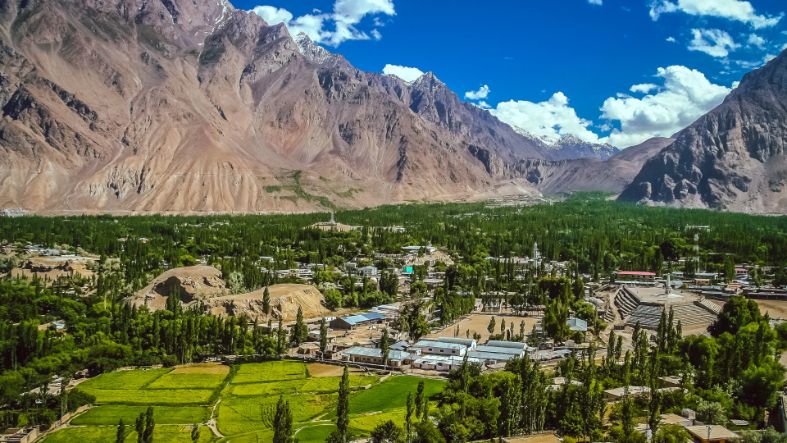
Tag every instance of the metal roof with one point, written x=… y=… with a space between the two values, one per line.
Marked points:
x=375 y=352
x=490 y=355
x=438 y=344
x=507 y=344
x=499 y=350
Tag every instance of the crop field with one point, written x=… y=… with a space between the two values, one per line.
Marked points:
x=109 y=415
x=242 y=402
x=162 y=434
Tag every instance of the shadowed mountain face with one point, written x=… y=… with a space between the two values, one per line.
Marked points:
x=193 y=106
x=733 y=158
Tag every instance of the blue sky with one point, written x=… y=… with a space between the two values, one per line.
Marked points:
x=557 y=67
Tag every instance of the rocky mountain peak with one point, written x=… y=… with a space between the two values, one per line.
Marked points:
x=312 y=51
x=733 y=158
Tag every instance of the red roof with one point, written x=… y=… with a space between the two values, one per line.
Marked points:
x=638 y=273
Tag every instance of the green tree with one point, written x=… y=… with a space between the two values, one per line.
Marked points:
x=387 y=432
x=282 y=422
x=385 y=346
x=195 y=433
x=408 y=417
x=343 y=407
x=671 y=434
x=120 y=437
x=266 y=301
x=150 y=425
x=299 y=332
x=323 y=337
x=419 y=398
x=491 y=326
x=139 y=426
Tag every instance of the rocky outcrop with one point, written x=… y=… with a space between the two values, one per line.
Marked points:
x=733 y=158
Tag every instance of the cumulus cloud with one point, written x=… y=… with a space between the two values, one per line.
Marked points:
x=406 y=73
x=735 y=10
x=273 y=15
x=596 y=2
x=714 y=42
x=548 y=120
x=481 y=94
x=643 y=88
x=671 y=39
x=685 y=96
x=332 y=28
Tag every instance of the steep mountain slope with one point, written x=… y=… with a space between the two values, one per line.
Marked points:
x=733 y=158
x=591 y=174
x=193 y=106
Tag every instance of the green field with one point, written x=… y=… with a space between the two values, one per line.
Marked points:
x=270 y=371
x=162 y=434
x=246 y=404
x=111 y=414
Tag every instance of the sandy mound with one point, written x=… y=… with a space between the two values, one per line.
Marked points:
x=285 y=300
x=189 y=284
x=203 y=284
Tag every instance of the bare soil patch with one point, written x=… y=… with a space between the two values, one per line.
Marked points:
x=477 y=323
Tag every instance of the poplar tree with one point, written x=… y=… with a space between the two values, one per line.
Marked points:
x=121 y=432
x=282 y=422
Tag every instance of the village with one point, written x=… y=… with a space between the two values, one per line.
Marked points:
x=405 y=327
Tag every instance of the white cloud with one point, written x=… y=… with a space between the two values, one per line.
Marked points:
x=685 y=96
x=643 y=88
x=332 y=28
x=273 y=15
x=736 y=10
x=714 y=42
x=481 y=94
x=596 y=2
x=755 y=40
x=405 y=73
x=671 y=39
x=548 y=119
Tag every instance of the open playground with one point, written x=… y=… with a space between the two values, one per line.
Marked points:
x=238 y=403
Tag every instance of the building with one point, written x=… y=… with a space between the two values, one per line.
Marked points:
x=358 y=354
x=635 y=277
x=353 y=321
x=415 y=249
x=619 y=393
x=368 y=271
x=577 y=324
x=711 y=433
x=440 y=347
x=443 y=363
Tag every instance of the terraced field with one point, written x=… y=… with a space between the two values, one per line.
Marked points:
x=242 y=402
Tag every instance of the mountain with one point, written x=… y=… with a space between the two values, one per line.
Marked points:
x=194 y=106
x=569 y=147
x=591 y=174
x=733 y=158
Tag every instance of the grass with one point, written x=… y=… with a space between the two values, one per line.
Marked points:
x=110 y=415
x=270 y=371
x=103 y=434
x=248 y=394
x=310 y=385
x=239 y=415
x=315 y=433
x=392 y=393
x=192 y=377
x=123 y=380
x=152 y=396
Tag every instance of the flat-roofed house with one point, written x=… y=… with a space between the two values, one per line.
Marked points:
x=711 y=433
x=439 y=347
x=359 y=354
x=442 y=362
